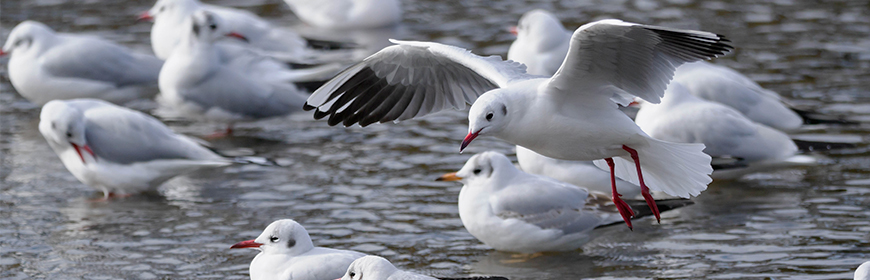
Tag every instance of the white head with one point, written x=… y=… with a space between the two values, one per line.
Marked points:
x=488 y=115
x=483 y=168
x=280 y=237
x=372 y=267
x=171 y=10
x=541 y=29
x=27 y=36
x=63 y=126
x=863 y=271
x=207 y=27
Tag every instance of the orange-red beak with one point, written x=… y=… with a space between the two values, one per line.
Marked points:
x=2 y=53
x=145 y=16
x=467 y=140
x=79 y=151
x=449 y=177
x=513 y=30
x=238 y=36
x=246 y=244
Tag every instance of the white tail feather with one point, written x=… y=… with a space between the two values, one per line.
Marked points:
x=677 y=169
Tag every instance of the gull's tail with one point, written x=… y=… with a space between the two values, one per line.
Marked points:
x=677 y=169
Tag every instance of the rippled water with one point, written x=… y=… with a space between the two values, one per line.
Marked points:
x=372 y=189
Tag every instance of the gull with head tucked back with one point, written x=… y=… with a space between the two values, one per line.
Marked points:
x=286 y=252
x=118 y=150
x=46 y=65
x=571 y=116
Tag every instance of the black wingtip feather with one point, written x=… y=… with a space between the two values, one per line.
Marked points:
x=307 y=107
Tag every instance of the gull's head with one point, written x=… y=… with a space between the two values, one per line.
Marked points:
x=280 y=237
x=540 y=26
x=481 y=169
x=488 y=115
x=373 y=267
x=208 y=27
x=64 y=126
x=172 y=10
x=26 y=36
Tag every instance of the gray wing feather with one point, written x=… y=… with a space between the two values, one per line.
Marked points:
x=125 y=136
x=95 y=59
x=548 y=204
x=409 y=80
x=234 y=92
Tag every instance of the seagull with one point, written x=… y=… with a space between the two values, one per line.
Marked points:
x=863 y=271
x=571 y=116
x=515 y=211
x=726 y=86
x=45 y=65
x=684 y=118
x=378 y=268
x=286 y=252
x=196 y=84
x=541 y=44
x=117 y=150
x=347 y=14
x=578 y=173
x=168 y=31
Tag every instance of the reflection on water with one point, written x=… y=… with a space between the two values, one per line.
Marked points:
x=372 y=189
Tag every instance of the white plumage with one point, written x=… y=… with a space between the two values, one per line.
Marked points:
x=347 y=14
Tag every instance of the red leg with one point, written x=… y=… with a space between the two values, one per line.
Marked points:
x=644 y=190
x=623 y=208
x=221 y=134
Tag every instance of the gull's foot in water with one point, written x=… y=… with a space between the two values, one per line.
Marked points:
x=220 y=134
x=106 y=197
x=624 y=209
x=520 y=258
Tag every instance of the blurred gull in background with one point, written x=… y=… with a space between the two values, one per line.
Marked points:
x=514 y=211
x=286 y=252
x=117 y=150
x=347 y=14
x=45 y=66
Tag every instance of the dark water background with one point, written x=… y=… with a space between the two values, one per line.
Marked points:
x=371 y=189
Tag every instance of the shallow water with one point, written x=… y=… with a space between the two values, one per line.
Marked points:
x=372 y=189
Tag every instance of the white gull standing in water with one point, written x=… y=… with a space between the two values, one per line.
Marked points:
x=571 y=116
x=378 y=268
x=46 y=65
x=117 y=150
x=347 y=14
x=514 y=211
x=541 y=44
x=286 y=252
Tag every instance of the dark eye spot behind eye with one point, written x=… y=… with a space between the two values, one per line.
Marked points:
x=477 y=171
x=291 y=243
x=195 y=29
x=504 y=110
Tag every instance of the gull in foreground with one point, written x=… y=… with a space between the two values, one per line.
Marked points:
x=117 y=150
x=168 y=31
x=574 y=172
x=196 y=84
x=45 y=66
x=347 y=14
x=286 y=252
x=378 y=268
x=863 y=271
x=514 y=211
x=571 y=116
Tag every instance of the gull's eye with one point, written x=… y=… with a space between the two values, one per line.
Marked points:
x=69 y=134
x=273 y=239
x=477 y=171
x=213 y=26
x=351 y=274
x=489 y=116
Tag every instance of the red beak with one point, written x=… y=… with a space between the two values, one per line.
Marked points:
x=238 y=36
x=145 y=16
x=2 y=53
x=246 y=244
x=468 y=138
x=79 y=151
x=513 y=30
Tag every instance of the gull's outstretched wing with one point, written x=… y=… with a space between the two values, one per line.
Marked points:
x=410 y=79
x=620 y=60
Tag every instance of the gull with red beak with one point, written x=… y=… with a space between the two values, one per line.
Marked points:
x=572 y=115
x=196 y=84
x=45 y=65
x=117 y=150
x=286 y=252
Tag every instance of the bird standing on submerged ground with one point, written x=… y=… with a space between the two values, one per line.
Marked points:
x=514 y=211
x=347 y=14
x=117 y=150
x=45 y=66
x=572 y=115
x=196 y=84
x=286 y=252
